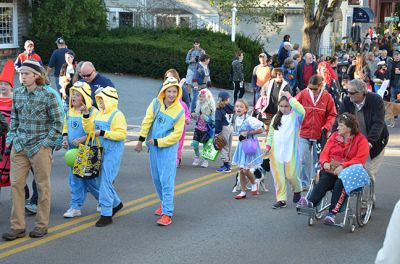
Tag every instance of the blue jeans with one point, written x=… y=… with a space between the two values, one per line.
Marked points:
x=309 y=158
x=257 y=91
x=194 y=100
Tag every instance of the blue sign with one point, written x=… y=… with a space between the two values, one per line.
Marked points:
x=363 y=15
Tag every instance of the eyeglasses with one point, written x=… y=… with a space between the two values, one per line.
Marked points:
x=351 y=93
x=86 y=75
x=170 y=80
x=78 y=84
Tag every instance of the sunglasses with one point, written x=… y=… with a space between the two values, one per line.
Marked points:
x=86 y=75
x=170 y=80
x=352 y=93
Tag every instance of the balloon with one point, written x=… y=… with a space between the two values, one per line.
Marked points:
x=70 y=157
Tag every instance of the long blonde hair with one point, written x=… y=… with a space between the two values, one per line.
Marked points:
x=208 y=107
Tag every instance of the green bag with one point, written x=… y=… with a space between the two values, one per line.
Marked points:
x=209 y=152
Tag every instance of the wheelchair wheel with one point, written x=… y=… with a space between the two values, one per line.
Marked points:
x=364 y=205
x=351 y=226
x=310 y=221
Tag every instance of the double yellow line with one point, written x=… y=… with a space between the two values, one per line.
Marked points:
x=82 y=224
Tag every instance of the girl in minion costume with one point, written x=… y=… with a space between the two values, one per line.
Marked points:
x=73 y=135
x=163 y=126
x=110 y=125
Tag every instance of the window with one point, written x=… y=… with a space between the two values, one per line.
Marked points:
x=8 y=24
x=164 y=21
x=125 y=19
x=279 y=18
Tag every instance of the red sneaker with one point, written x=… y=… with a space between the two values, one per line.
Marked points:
x=239 y=196
x=158 y=211
x=164 y=220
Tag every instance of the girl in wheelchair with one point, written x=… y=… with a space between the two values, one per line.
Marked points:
x=342 y=161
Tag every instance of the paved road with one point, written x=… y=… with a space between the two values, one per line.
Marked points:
x=209 y=225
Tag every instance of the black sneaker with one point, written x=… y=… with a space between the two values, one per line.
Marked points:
x=13 y=234
x=38 y=232
x=296 y=197
x=279 y=204
x=117 y=208
x=104 y=221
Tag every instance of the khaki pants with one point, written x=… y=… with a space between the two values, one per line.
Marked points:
x=227 y=133
x=373 y=165
x=20 y=165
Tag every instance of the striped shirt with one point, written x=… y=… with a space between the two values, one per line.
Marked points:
x=36 y=120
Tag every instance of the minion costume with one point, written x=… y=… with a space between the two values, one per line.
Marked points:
x=113 y=129
x=165 y=127
x=73 y=128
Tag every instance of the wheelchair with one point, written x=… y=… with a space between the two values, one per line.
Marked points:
x=356 y=209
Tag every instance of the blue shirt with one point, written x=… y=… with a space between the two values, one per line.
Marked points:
x=99 y=81
x=57 y=60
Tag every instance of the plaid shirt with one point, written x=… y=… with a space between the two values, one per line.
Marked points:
x=36 y=120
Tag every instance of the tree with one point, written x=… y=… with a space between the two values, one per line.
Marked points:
x=68 y=18
x=315 y=21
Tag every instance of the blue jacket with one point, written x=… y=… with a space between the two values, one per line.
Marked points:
x=220 y=117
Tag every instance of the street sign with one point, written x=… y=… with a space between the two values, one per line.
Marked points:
x=392 y=19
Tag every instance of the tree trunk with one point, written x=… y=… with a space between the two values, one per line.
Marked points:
x=311 y=37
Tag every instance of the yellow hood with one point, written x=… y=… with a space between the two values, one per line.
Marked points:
x=170 y=82
x=86 y=92
x=110 y=99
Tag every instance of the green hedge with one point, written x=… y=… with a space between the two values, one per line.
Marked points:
x=150 y=52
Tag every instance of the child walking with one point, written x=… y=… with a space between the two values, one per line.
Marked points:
x=110 y=125
x=223 y=118
x=163 y=126
x=247 y=127
x=283 y=144
x=73 y=135
x=204 y=116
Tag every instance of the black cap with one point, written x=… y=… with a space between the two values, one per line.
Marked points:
x=60 y=40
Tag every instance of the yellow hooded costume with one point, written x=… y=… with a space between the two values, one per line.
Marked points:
x=165 y=127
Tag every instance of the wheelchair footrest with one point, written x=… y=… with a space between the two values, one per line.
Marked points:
x=306 y=211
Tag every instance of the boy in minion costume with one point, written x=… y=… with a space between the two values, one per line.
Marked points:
x=163 y=126
x=73 y=135
x=110 y=125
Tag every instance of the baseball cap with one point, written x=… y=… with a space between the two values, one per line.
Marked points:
x=60 y=40
x=223 y=95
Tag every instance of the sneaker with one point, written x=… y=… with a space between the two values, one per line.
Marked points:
x=196 y=161
x=240 y=196
x=279 y=204
x=164 y=220
x=296 y=197
x=71 y=213
x=31 y=208
x=329 y=219
x=117 y=208
x=158 y=211
x=38 y=232
x=224 y=168
x=304 y=203
x=204 y=163
x=13 y=234
x=104 y=221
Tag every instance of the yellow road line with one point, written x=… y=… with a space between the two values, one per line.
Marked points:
x=95 y=215
x=123 y=212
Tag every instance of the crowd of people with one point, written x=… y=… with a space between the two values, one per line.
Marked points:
x=315 y=115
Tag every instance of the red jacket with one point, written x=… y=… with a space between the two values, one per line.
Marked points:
x=319 y=116
x=354 y=151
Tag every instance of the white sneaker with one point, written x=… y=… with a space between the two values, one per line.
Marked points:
x=70 y=213
x=196 y=161
x=204 y=164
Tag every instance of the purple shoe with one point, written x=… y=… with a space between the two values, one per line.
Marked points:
x=304 y=203
x=329 y=219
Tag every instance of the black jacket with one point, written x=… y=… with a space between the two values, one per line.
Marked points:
x=374 y=118
x=300 y=70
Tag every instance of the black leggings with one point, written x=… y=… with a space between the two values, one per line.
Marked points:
x=326 y=183
x=237 y=89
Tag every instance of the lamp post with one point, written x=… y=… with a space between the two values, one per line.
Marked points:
x=233 y=34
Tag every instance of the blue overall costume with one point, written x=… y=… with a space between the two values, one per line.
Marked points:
x=163 y=160
x=113 y=151
x=78 y=185
x=165 y=126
